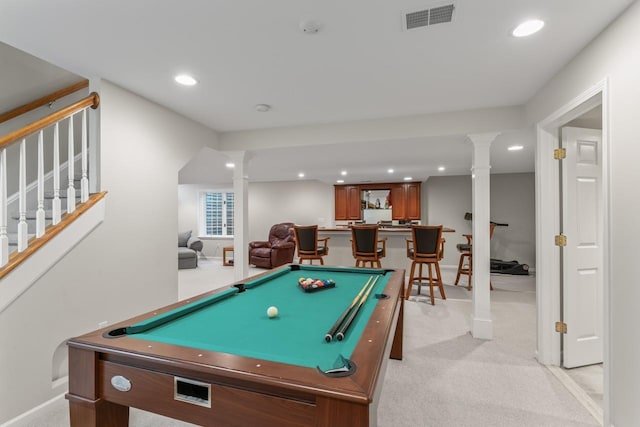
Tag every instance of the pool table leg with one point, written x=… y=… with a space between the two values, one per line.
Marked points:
x=396 y=346
x=86 y=408
x=97 y=414
x=332 y=412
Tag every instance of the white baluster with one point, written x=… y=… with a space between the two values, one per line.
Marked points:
x=40 y=217
x=23 y=229
x=4 y=239
x=71 y=191
x=84 y=183
x=56 y=206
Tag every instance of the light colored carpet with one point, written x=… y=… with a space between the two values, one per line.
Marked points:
x=447 y=378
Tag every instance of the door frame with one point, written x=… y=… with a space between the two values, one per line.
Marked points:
x=548 y=267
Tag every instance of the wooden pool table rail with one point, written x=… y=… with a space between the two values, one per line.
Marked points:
x=280 y=394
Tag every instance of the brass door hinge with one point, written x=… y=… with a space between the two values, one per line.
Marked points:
x=561 y=327
x=561 y=240
x=559 y=153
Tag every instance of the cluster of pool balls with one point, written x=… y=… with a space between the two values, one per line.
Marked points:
x=315 y=283
x=305 y=283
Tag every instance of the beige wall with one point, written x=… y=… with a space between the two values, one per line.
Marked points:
x=613 y=55
x=448 y=198
x=128 y=265
x=301 y=202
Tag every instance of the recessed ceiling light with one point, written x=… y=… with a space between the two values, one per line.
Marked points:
x=408 y=178
x=343 y=173
x=528 y=28
x=441 y=168
x=300 y=175
x=185 y=80
x=340 y=181
x=515 y=148
x=263 y=108
x=230 y=165
x=390 y=170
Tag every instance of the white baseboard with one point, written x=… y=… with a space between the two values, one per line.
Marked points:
x=34 y=413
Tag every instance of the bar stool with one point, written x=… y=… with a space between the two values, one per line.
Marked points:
x=309 y=246
x=366 y=247
x=465 y=265
x=425 y=247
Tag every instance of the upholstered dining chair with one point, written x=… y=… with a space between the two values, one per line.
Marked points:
x=309 y=246
x=425 y=248
x=366 y=246
x=465 y=264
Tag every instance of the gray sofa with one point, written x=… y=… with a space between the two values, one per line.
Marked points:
x=188 y=248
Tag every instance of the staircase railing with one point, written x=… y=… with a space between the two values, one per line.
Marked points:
x=20 y=137
x=47 y=99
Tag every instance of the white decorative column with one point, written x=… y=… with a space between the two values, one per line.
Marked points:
x=481 y=322
x=240 y=214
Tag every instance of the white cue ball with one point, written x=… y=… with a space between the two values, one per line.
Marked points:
x=272 y=312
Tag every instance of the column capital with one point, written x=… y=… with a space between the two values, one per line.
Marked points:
x=241 y=161
x=481 y=139
x=239 y=156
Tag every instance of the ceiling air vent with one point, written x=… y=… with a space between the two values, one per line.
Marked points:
x=428 y=17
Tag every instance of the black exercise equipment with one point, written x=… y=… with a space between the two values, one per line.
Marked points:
x=500 y=266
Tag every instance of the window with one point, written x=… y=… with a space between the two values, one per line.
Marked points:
x=216 y=218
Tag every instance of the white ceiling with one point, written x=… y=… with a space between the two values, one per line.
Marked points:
x=361 y=65
x=369 y=161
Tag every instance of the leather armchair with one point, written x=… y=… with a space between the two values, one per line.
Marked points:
x=278 y=250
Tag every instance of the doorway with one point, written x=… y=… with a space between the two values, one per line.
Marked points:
x=552 y=297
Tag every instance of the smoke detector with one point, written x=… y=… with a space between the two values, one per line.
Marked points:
x=310 y=26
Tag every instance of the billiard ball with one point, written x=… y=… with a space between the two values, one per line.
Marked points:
x=272 y=312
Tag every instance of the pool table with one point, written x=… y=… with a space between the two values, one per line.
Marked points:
x=218 y=359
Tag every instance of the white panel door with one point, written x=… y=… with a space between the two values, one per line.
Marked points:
x=583 y=256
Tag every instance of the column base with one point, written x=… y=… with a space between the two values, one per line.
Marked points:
x=481 y=328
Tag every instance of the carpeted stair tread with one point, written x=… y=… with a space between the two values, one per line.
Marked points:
x=63 y=194
x=13 y=238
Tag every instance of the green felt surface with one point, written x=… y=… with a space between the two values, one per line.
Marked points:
x=238 y=323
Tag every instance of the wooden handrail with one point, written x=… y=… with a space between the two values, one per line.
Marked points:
x=43 y=101
x=16 y=258
x=93 y=100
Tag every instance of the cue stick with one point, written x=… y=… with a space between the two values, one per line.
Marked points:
x=329 y=336
x=354 y=313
